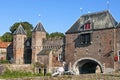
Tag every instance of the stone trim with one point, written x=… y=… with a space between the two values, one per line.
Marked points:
x=87 y=58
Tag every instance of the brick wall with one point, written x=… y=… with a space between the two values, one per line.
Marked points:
x=100 y=48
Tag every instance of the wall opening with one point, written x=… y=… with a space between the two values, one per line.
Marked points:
x=88 y=66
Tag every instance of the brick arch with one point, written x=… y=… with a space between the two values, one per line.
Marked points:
x=79 y=61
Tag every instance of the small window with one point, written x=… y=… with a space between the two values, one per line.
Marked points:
x=56 y=58
x=85 y=38
x=87 y=26
x=59 y=57
x=28 y=43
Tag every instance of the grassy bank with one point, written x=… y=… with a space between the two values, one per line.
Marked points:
x=20 y=74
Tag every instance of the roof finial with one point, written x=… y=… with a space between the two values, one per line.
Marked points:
x=89 y=12
x=39 y=16
x=81 y=10
x=108 y=4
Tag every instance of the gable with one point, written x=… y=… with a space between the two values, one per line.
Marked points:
x=99 y=20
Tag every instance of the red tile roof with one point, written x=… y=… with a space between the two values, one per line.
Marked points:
x=4 y=44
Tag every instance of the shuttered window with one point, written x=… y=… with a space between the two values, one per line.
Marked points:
x=85 y=38
x=87 y=26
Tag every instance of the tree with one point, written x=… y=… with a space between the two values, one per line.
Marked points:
x=0 y=38
x=56 y=35
x=7 y=37
x=47 y=35
x=27 y=27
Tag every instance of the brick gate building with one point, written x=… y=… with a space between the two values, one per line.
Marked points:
x=93 y=44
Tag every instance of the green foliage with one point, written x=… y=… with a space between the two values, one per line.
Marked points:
x=15 y=74
x=7 y=37
x=56 y=35
x=39 y=74
x=47 y=35
x=4 y=61
x=0 y=38
x=27 y=26
x=48 y=74
x=20 y=74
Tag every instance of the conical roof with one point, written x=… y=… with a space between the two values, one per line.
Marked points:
x=20 y=30
x=39 y=27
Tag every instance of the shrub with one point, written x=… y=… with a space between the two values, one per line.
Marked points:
x=4 y=61
x=48 y=74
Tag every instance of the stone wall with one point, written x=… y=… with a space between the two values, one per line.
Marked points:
x=15 y=67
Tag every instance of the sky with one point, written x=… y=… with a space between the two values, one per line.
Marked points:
x=55 y=15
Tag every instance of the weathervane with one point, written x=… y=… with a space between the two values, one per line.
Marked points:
x=108 y=4
x=81 y=9
x=89 y=12
x=39 y=16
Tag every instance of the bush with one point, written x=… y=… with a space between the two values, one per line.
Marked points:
x=4 y=61
x=48 y=74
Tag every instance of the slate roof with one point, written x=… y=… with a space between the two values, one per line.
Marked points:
x=39 y=27
x=20 y=30
x=44 y=52
x=118 y=25
x=99 y=20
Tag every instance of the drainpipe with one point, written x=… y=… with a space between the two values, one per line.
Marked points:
x=115 y=48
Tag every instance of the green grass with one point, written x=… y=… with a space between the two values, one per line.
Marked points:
x=19 y=74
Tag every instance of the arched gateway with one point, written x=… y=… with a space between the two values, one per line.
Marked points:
x=87 y=65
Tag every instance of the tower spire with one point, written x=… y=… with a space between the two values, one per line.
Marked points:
x=20 y=30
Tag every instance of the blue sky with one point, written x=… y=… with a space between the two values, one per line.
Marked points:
x=56 y=15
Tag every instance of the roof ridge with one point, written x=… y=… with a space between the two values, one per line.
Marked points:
x=94 y=13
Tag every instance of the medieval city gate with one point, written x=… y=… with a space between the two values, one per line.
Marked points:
x=87 y=66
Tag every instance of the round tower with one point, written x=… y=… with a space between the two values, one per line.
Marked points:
x=38 y=35
x=18 y=44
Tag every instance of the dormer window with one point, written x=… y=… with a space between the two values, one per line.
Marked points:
x=87 y=26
